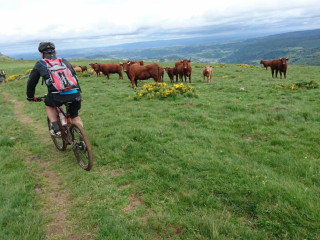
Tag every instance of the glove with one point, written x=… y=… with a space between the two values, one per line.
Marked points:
x=33 y=99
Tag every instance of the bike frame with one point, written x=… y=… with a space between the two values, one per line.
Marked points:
x=65 y=128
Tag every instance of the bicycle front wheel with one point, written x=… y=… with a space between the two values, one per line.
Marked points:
x=60 y=144
x=81 y=146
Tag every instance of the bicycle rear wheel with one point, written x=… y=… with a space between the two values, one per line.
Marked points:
x=81 y=146
x=60 y=144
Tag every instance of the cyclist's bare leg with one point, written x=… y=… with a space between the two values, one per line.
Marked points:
x=51 y=113
x=77 y=120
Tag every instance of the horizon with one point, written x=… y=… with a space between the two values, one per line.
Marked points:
x=31 y=53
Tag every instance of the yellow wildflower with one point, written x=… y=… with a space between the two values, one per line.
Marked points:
x=28 y=71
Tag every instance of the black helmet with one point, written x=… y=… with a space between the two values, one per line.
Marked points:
x=46 y=47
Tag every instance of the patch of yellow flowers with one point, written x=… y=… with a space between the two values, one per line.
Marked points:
x=162 y=91
x=291 y=87
x=247 y=66
x=14 y=77
x=296 y=86
x=28 y=71
x=18 y=76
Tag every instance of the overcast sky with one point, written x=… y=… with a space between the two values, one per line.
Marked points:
x=79 y=23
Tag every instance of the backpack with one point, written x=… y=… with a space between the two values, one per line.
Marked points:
x=61 y=77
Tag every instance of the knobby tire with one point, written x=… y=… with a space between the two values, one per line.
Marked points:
x=60 y=144
x=81 y=146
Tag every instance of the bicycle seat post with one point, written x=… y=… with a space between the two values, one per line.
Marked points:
x=67 y=109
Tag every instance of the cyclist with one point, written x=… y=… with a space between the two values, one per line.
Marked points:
x=53 y=98
x=2 y=76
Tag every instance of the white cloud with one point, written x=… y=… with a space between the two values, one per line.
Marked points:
x=119 y=20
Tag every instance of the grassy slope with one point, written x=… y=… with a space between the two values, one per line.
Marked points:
x=241 y=161
x=20 y=216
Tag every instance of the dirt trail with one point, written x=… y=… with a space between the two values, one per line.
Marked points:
x=55 y=199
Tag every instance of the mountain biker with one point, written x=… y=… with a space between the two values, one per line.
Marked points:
x=53 y=98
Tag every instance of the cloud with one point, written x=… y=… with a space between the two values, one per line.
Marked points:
x=110 y=22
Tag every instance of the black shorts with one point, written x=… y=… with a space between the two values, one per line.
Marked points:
x=55 y=100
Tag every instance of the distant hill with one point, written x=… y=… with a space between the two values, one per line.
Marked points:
x=302 y=47
x=4 y=58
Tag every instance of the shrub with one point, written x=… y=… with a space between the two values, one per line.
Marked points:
x=296 y=86
x=162 y=91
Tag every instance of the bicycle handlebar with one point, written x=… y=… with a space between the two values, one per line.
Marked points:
x=41 y=98
x=37 y=99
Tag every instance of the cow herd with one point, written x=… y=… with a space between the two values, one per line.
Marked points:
x=79 y=68
x=136 y=70
x=277 y=65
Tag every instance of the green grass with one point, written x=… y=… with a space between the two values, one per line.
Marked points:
x=20 y=216
x=241 y=161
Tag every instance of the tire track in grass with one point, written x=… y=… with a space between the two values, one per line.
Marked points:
x=55 y=204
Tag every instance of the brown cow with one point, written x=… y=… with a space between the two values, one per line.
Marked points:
x=137 y=72
x=266 y=63
x=107 y=68
x=187 y=70
x=184 y=69
x=161 y=73
x=207 y=72
x=279 y=65
x=179 y=70
x=77 y=69
x=83 y=68
x=171 y=73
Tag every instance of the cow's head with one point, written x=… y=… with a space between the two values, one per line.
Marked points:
x=125 y=66
x=284 y=60
x=186 y=63
x=96 y=67
x=207 y=68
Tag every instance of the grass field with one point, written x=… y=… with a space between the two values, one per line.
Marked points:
x=241 y=161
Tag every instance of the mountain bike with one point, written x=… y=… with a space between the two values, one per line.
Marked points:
x=71 y=134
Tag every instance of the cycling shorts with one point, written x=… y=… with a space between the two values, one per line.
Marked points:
x=56 y=100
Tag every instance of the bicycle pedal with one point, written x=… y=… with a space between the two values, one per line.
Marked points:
x=55 y=134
